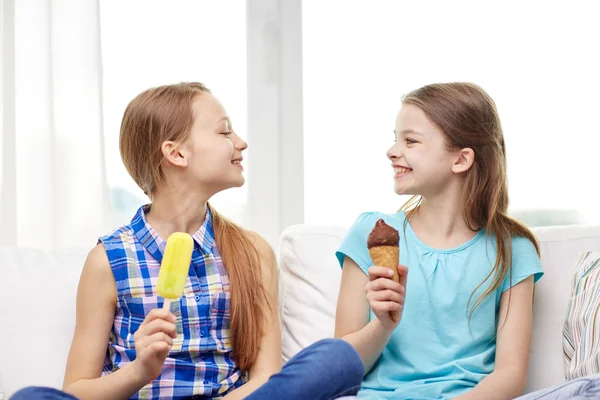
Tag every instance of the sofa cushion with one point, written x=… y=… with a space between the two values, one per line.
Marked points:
x=582 y=323
x=37 y=304
x=309 y=284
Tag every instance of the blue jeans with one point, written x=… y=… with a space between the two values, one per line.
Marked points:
x=326 y=370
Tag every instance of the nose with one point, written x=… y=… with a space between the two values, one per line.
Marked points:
x=394 y=152
x=240 y=144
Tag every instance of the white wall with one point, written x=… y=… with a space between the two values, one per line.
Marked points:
x=538 y=60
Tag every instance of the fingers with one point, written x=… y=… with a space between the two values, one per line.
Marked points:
x=160 y=325
x=157 y=320
x=385 y=300
x=159 y=313
x=160 y=337
x=157 y=350
x=386 y=295
x=385 y=284
x=160 y=348
x=379 y=307
x=376 y=272
x=151 y=340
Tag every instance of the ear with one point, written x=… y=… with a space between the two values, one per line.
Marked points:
x=464 y=160
x=174 y=153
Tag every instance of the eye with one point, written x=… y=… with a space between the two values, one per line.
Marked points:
x=227 y=134
x=410 y=141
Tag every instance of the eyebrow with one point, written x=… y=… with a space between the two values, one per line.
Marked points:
x=227 y=120
x=407 y=131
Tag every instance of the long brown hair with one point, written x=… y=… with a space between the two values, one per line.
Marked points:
x=165 y=113
x=468 y=117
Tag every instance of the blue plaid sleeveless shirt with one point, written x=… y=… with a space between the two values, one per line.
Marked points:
x=200 y=363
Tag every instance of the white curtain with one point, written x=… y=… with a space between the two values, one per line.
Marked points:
x=53 y=191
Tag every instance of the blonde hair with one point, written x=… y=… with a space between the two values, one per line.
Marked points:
x=165 y=113
x=469 y=119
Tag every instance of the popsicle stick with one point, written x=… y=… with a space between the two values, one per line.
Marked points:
x=167 y=304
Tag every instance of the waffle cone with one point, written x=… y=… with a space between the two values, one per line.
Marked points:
x=387 y=256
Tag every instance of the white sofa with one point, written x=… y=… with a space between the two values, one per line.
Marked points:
x=38 y=288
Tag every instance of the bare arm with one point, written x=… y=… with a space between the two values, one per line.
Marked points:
x=352 y=323
x=512 y=350
x=268 y=361
x=96 y=302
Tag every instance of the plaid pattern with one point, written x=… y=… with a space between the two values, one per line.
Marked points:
x=200 y=363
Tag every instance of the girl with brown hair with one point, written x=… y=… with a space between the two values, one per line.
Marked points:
x=464 y=305
x=222 y=338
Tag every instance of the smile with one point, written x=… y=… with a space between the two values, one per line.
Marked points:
x=238 y=163
x=401 y=171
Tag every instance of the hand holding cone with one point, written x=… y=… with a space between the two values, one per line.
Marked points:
x=384 y=247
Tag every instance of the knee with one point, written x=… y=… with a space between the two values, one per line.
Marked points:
x=31 y=392
x=335 y=347
x=38 y=392
x=591 y=387
x=346 y=355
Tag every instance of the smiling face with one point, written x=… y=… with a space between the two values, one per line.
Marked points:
x=214 y=150
x=423 y=164
x=209 y=158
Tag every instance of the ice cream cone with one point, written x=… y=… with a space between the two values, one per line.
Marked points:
x=384 y=249
x=386 y=256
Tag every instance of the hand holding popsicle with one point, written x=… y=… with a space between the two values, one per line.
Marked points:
x=154 y=337
x=153 y=340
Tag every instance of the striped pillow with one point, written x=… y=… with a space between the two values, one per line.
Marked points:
x=581 y=333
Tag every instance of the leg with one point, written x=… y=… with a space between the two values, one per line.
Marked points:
x=326 y=370
x=41 y=393
x=577 y=389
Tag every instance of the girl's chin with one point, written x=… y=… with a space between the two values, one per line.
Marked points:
x=401 y=190
x=239 y=182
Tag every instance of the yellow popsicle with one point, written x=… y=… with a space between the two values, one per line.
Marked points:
x=174 y=267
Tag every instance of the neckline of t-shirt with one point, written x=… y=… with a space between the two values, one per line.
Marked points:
x=418 y=241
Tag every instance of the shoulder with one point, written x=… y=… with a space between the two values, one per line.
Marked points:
x=522 y=246
x=114 y=245
x=97 y=262
x=97 y=273
x=117 y=235
x=525 y=262
x=525 y=258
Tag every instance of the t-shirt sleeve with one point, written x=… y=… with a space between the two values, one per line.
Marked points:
x=354 y=244
x=525 y=263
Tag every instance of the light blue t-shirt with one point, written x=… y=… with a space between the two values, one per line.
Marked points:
x=435 y=353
